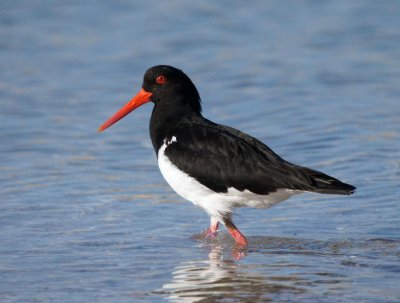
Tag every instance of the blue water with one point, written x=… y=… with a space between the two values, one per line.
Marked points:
x=87 y=217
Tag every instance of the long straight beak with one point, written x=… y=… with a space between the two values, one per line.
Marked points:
x=141 y=98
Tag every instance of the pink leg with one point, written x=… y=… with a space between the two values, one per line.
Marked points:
x=240 y=240
x=212 y=230
x=213 y=225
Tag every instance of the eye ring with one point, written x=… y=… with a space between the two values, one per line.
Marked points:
x=161 y=79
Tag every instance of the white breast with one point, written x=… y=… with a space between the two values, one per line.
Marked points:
x=215 y=204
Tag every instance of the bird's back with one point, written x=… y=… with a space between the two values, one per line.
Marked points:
x=221 y=157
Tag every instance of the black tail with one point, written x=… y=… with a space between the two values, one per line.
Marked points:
x=325 y=184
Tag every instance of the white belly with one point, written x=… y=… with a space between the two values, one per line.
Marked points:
x=215 y=204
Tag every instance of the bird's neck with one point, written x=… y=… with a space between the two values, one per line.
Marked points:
x=167 y=117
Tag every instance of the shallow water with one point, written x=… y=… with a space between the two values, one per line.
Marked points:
x=87 y=216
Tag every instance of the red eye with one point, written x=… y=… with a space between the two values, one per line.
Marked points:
x=161 y=80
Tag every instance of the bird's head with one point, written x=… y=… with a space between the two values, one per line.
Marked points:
x=162 y=84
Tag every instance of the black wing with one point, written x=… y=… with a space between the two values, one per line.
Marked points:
x=221 y=157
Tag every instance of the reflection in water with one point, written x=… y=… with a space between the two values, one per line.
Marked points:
x=223 y=277
x=219 y=278
x=286 y=270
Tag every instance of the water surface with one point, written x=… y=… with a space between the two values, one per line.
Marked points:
x=87 y=216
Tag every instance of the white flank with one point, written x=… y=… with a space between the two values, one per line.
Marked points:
x=215 y=204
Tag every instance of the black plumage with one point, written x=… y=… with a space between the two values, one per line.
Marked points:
x=219 y=156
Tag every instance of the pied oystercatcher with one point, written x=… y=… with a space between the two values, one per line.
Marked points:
x=214 y=166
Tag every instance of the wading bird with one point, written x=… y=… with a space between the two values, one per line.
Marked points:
x=214 y=166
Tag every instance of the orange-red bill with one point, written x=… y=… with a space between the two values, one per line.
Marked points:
x=141 y=98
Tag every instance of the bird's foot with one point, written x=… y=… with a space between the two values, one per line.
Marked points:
x=209 y=233
x=240 y=244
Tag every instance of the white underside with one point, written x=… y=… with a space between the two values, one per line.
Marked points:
x=215 y=204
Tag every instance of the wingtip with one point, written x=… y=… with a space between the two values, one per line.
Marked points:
x=331 y=185
x=352 y=190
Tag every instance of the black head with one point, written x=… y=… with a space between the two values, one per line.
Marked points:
x=169 y=84
x=169 y=88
